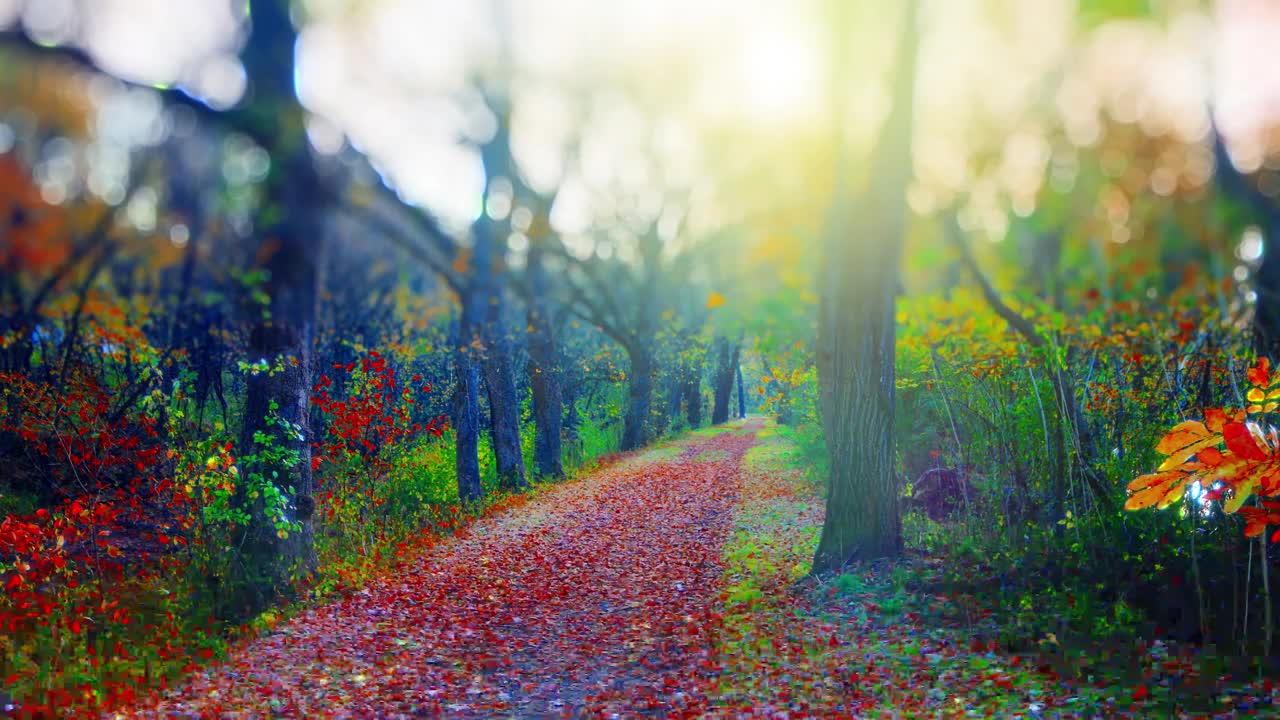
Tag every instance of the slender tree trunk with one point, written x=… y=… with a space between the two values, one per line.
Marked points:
x=742 y=394
x=466 y=404
x=544 y=371
x=489 y=268
x=726 y=369
x=856 y=330
x=634 y=431
x=675 y=400
x=692 y=391
x=548 y=401
x=1266 y=312
x=504 y=409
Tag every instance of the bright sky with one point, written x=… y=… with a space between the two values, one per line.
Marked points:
x=391 y=76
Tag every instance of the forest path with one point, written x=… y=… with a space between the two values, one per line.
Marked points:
x=599 y=597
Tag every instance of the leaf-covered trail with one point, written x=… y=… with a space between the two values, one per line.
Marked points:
x=599 y=596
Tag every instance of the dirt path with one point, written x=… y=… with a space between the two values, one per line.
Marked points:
x=598 y=598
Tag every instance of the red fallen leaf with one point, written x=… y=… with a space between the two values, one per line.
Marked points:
x=1141 y=693
x=834 y=641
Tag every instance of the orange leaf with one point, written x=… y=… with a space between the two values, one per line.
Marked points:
x=1182 y=435
x=1215 y=419
x=1210 y=456
x=1173 y=494
x=1181 y=456
x=1147 y=481
x=1152 y=495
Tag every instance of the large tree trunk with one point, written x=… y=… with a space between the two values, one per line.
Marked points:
x=277 y=404
x=726 y=370
x=634 y=430
x=856 y=332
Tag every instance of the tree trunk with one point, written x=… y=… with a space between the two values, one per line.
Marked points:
x=278 y=403
x=1266 y=311
x=675 y=401
x=634 y=431
x=742 y=394
x=726 y=369
x=856 y=331
x=544 y=370
x=504 y=408
x=548 y=400
x=693 y=395
x=293 y=249
x=466 y=405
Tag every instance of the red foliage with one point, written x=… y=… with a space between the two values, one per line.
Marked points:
x=370 y=420
x=64 y=568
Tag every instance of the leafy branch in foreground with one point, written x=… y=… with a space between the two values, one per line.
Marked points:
x=1233 y=453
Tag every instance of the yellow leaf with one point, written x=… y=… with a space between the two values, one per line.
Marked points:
x=1242 y=491
x=1150 y=496
x=1181 y=456
x=1256 y=396
x=1173 y=494
x=1147 y=481
x=1181 y=436
x=714 y=300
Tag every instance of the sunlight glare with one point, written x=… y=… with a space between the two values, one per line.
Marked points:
x=780 y=76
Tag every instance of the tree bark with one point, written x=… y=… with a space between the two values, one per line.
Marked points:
x=1235 y=184
x=466 y=408
x=544 y=373
x=293 y=248
x=692 y=391
x=278 y=403
x=726 y=370
x=639 y=397
x=504 y=408
x=856 y=330
x=1266 y=310
x=742 y=394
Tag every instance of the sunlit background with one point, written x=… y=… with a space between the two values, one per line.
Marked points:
x=394 y=79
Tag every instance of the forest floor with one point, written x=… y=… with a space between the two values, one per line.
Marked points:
x=670 y=584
